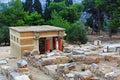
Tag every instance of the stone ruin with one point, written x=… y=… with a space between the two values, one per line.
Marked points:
x=84 y=62
x=77 y=63
x=21 y=72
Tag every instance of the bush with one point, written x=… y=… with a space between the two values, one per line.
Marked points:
x=83 y=69
x=77 y=33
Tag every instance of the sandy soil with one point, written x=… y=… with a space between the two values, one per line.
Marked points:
x=5 y=51
x=36 y=73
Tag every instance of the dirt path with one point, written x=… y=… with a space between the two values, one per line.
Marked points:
x=38 y=75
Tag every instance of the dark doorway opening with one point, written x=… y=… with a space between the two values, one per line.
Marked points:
x=42 y=45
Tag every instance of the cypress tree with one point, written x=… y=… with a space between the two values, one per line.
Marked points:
x=28 y=6
x=37 y=6
x=46 y=12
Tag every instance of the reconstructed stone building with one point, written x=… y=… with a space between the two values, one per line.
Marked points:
x=43 y=38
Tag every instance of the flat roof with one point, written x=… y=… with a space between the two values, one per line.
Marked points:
x=42 y=28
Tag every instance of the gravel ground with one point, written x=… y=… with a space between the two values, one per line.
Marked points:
x=36 y=73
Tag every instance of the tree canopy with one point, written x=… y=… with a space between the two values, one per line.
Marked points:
x=57 y=20
x=13 y=14
x=70 y=13
x=61 y=13
x=77 y=33
x=37 y=6
x=33 y=19
x=104 y=13
x=28 y=6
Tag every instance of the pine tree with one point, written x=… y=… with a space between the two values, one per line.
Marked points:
x=57 y=20
x=37 y=6
x=28 y=6
x=46 y=12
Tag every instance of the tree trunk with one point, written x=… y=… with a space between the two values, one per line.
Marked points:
x=99 y=22
x=93 y=27
x=110 y=33
x=110 y=30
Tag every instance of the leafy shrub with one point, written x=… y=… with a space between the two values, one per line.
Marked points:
x=77 y=33
x=83 y=69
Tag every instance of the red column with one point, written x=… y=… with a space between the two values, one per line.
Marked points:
x=60 y=44
x=47 y=44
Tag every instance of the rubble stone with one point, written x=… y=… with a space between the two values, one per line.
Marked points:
x=61 y=59
x=50 y=70
x=94 y=67
x=109 y=58
x=22 y=63
x=115 y=75
x=86 y=75
x=95 y=78
x=12 y=75
x=26 y=53
x=92 y=59
x=48 y=61
x=104 y=70
x=2 y=77
x=34 y=52
x=3 y=61
x=22 y=77
x=70 y=76
x=22 y=70
x=118 y=62
x=97 y=42
x=67 y=49
x=78 y=58
x=6 y=70
x=78 y=52
x=37 y=64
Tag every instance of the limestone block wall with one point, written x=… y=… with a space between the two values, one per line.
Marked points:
x=26 y=41
x=15 y=43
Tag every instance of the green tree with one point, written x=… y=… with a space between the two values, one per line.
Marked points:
x=51 y=6
x=46 y=14
x=97 y=18
x=99 y=8
x=28 y=6
x=77 y=33
x=68 y=2
x=88 y=5
x=12 y=14
x=56 y=6
x=1 y=35
x=57 y=20
x=4 y=37
x=37 y=6
x=114 y=24
x=111 y=8
x=33 y=19
x=71 y=13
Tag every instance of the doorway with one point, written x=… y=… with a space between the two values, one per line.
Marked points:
x=42 y=45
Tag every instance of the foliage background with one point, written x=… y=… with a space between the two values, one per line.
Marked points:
x=60 y=13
